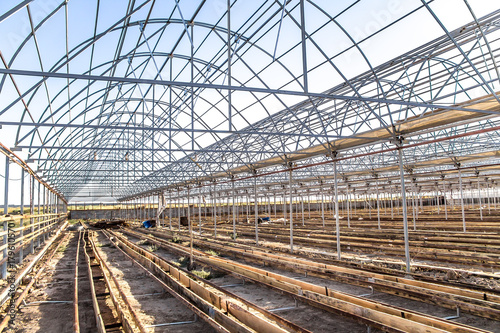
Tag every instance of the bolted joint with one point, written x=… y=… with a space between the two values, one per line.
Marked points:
x=398 y=141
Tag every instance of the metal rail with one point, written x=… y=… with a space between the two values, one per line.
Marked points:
x=37 y=261
x=480 y=303
x=225 y=308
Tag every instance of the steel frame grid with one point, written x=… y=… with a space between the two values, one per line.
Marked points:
x=148 y=136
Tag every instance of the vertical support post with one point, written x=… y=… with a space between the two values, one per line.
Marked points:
x=215 y=213
x=21 y=222
x=229 y=49
x=405 y=213
x=355 y=201
x=248 y=205
x=413 y=203
x=291 y=208
x=190 y=230
x=392 y=204
x=160 y=196
x=461 y=197
x=199 y=211
x=170 y=210
x=303 y=44
x=284 y=206
x=378 y=202
x=348 y=205
x=444 y=196
x=32 y=212
x=38 y=220
x=234 y=211
x=256 y=209
x=437 y=200
x=488 y=195
x=308 y=204
x=302 y=205
x=322 y=205
x=479 y=197
x=337 y=223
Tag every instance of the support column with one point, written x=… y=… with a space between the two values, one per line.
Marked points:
x=199 y=211
x=179 y=209
x=309 y=204
x=488 y=194
x=38 y=220
x=378 y=200
x=234 y=210
x=291 y=208
x=248 y=205
x=461 y=196
x=284 y=206
x=190 y=231
x=348 y=205
x=405 y=213
x=479 y=196
x=256 y=208
x=21 y=221
x=322 y=206
x=32 y=212
x=355 y=201
x=337 y=223
x=392 y=204
x=444 y=196
x=215 y=212
x=170 y=210
x=437 y=199
x=302 y=205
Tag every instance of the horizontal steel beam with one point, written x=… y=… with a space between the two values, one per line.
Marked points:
x=227 y=87
x=149 y=149
x=164 y=129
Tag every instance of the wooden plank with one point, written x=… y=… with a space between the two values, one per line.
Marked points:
x=255 y=322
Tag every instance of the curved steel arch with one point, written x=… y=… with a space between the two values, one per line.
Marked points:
x=208 y=132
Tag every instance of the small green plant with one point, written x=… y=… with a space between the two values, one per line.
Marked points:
x=234 y=236
x=143 y=242
x=176 y=239
x=212 y=253
x=201 y=273
x=183 y=261
x=153 y=248
x=103 y=244
x=62 y=248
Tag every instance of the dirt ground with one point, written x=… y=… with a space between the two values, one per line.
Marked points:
x=55 y=284
x=152 y=304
